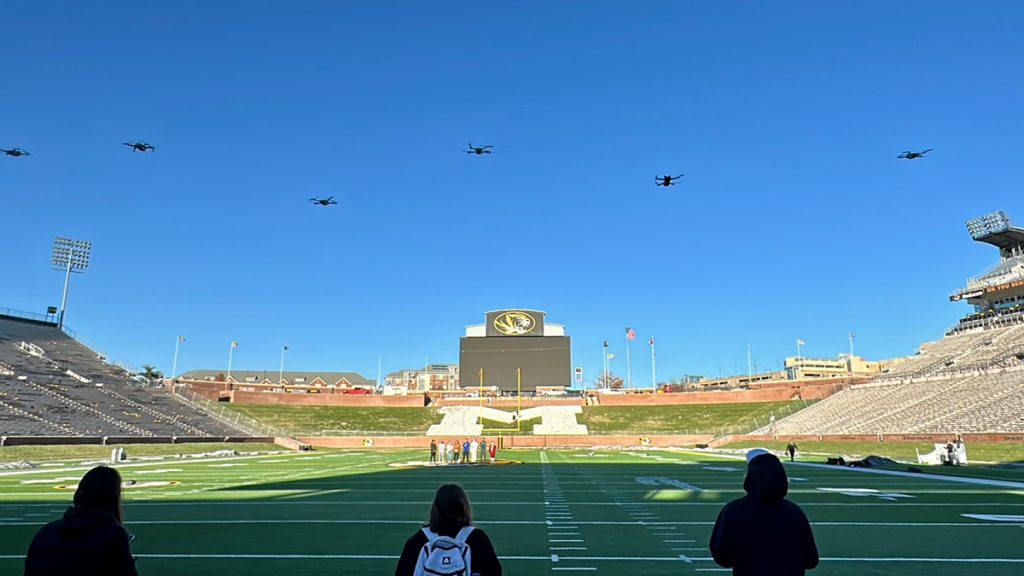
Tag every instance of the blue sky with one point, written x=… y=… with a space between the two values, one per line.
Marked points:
x=794 y=218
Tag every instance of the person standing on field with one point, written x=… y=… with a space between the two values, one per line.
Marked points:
x=473 y=447
x=433 y=452
x=762 y=533
x=494 y=450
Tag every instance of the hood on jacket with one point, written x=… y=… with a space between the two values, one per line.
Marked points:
x=78 y=520
x=766 y=478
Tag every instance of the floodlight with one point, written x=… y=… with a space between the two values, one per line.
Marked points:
x=988 y=225
x=70 y=256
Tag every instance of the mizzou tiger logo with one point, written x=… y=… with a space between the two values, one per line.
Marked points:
x=514 y=323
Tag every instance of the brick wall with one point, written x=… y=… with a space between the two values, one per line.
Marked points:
x=367 y=400
x=774 y=394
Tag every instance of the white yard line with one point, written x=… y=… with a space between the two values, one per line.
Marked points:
x=921 y=476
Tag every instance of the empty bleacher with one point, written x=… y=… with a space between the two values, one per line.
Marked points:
x=52 y=385
x=966 y=382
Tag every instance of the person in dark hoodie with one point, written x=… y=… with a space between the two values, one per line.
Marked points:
x=762 y=533
x=450 y=514
x=89 y=539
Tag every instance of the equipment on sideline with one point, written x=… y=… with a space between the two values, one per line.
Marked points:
x=444 y=556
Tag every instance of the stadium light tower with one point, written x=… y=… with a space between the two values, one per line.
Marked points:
x=70 y=256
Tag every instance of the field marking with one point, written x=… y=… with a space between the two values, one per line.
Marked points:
x=647 y=523
x=549 y=558
x=996 y=517
x=924 y=476
x=575 y=568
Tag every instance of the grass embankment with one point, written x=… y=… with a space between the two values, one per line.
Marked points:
x=313 y=420
x=684 y=418
x=95 y=451
x=902 y=451
x=671 y=419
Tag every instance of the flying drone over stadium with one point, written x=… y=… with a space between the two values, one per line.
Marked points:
x=667 y=180
x=908 y=155
x=140 y=146
x=15 y=152
x=325 y=202
x=478 y=150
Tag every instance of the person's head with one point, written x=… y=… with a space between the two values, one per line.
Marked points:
x=451 y=508
x=100 y=489
x=766 y=478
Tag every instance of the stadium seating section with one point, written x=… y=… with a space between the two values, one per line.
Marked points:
x=966 y=382
x=51 y=385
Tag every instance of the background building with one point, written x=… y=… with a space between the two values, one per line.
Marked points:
x=430 y=378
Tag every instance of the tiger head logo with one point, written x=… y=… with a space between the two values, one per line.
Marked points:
x=514 y=323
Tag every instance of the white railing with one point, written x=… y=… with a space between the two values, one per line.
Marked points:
x=228 y=417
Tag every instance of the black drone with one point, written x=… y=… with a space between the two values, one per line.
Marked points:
x=666 y=180
x=478 y=150
x=325 y=202
x=140 y=146
x=15 y=152
x=908 y=155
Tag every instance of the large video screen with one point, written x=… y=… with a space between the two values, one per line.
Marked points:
x=545 y=361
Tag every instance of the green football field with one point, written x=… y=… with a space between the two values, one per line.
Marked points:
x=552 y=512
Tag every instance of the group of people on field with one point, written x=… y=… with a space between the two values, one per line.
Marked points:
x=466 y=452
x=761 y=533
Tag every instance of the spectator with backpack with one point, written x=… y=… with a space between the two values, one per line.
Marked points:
x=449 y=544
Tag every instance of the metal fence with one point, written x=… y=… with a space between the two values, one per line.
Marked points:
x=228 y=417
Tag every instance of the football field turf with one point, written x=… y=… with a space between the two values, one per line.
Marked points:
x=551 y=512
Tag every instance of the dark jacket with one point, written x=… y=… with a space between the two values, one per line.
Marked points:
x=484 y=560
x=81 y=544
x=762 y=532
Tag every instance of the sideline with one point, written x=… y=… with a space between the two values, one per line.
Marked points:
x=922 y=476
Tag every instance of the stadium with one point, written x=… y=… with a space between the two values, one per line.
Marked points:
x=589 y=471
x=528 y=289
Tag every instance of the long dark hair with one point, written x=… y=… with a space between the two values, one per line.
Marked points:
x=451 y=509
x=100 y=489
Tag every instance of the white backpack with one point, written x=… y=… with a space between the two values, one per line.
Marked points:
x=444 y=556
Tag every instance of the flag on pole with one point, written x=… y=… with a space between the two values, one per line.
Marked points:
x=285 y=348
x=630 y=333
x=181 y=338
x=800 y=342
x=234 y=344
x=605 y=343
x=610 y=355
x=651 y=341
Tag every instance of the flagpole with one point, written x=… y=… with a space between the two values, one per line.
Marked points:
x=654 y=368
x=174 y=366
x=750 y=370
x=604 y=364
x=231 y=354
x=629 y=370
x=280 y=373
